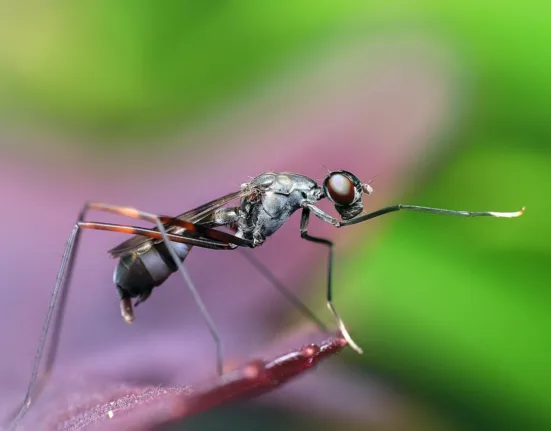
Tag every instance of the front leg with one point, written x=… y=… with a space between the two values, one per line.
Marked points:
x=304 y=234
x=322 y=215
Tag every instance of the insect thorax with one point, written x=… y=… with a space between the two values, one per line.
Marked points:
x=274 y=197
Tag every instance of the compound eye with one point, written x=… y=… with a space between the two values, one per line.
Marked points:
x=341 y=189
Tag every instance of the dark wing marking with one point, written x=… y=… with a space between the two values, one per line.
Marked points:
x=192 y=216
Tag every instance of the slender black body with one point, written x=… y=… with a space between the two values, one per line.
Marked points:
x=153 y=254
x=272 y=200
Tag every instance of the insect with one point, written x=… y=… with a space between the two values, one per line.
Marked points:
x=151 y=255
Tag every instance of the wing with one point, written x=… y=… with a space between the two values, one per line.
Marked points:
x=192 y=216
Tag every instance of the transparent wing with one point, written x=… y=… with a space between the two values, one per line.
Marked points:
x=193 y=216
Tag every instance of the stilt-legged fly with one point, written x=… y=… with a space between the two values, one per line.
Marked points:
x=266 y=202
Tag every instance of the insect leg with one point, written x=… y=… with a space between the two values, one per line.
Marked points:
x=155 y=234
x=172 y=221
x=138 y=214
x=340 y=223
x=304 y=234
x=284 y=290
x=61 y=290
x=229 y=217
x=429 y=210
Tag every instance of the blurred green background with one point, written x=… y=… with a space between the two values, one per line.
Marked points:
x=457 y=314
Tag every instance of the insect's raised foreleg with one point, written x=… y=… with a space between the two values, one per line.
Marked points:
x=387 y=210
x=430 y=210
x=304 y=234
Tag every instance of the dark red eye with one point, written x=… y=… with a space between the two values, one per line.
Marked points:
x=341 y=189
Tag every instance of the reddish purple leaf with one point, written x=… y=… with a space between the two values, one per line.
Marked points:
x=116 y=406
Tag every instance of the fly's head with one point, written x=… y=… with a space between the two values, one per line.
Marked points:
x=345 y=190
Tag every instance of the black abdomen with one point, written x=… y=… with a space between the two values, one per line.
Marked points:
x=138 y=273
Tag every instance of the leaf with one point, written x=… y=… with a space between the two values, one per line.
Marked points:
x=138 y=407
